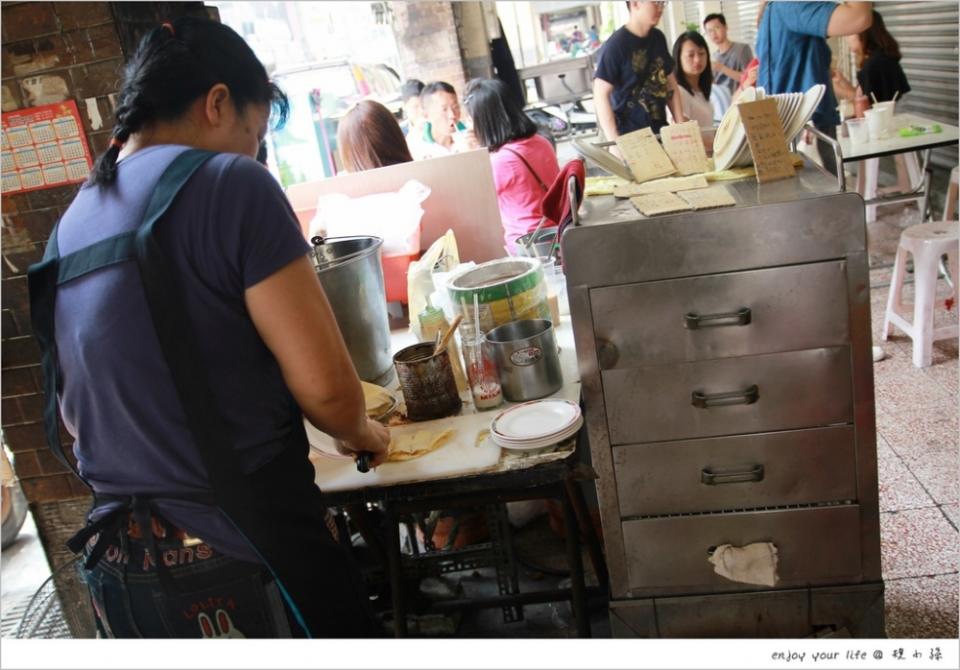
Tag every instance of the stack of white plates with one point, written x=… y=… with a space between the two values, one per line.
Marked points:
x=536 y=424
x=730 y=147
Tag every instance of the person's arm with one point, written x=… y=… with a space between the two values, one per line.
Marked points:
x=850 y=18
x=673 y=99
x=842 y=87
x=720 y=68
x=292 y=315
x=602 y=94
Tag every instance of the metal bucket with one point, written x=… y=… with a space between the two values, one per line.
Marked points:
x=527 y=357
x=352 y=277
x=543 y=243
x=427 y=381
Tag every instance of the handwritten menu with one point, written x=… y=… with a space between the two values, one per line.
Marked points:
x=44 y=147
x=665 y=185
x=708 y=198
x=644 y=155
x=771 y=157
x=659 y=203
x=684 y=145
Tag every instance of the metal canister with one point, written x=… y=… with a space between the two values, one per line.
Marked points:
x=349 y=270
x=427 y=382
x=528 y=359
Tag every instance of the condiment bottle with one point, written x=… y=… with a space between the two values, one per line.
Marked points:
x=432 y=321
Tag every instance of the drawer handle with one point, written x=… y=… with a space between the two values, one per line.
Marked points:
x=607 y=354
x=747 y=396
x=711 y=478
x=741 y=317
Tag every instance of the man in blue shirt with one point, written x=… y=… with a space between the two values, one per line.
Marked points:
x=794 y=54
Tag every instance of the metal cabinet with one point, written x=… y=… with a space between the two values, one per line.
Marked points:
x=725 y=357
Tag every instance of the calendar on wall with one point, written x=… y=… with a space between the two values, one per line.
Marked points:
x=44 y=147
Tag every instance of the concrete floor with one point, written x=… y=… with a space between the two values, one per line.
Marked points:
x=917 y=445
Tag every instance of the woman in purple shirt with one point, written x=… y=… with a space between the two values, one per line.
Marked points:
x=186 y=334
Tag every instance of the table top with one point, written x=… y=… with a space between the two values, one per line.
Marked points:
x=895 y=144
x=339 y=479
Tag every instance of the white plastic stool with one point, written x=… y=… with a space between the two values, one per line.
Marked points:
x=909 y=179
x=950 y=206
x=927 y=242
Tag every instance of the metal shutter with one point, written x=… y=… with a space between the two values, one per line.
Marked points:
x=741 y=20
x=927 y=33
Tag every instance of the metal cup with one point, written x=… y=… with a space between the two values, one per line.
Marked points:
x=427 y=381
x=527 y=357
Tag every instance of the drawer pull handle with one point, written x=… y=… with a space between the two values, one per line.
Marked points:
x=747 y=396
x=741 y=317
x=710 y=478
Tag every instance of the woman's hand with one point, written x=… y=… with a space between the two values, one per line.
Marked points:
x=374 y=438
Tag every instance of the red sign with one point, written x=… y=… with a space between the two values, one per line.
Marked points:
x=44 y=147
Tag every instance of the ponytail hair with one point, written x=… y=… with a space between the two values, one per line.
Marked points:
x=174 y=65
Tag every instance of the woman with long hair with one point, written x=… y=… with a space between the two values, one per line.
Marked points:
x=694 y=77
x=524 y=163
x=185 y=334
x=879 y=74
x=370 y=137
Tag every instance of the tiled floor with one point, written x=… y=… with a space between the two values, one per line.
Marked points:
x=917 y=450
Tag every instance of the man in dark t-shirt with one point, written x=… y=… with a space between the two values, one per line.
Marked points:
x=635 y=82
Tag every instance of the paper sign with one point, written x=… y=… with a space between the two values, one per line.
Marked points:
x=684 y=145
x=764 y=131
x=708 y=198
x=44 y=147
x=665 y=185
x=659 y=203
x=644 y=155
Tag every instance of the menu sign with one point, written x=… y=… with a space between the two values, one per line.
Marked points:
x=644 y=155
x=44 y=147
x=771 y=157
x=684 y=145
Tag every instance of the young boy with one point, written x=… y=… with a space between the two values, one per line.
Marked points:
x=635 y=81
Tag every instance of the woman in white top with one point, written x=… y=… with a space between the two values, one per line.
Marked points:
x=694 y=77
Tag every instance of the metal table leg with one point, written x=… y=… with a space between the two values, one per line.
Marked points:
x=394 y=569
x=577 y=587
x=575 y=493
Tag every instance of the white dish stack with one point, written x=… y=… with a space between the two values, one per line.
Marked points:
x=730 y=146
x=536 y=424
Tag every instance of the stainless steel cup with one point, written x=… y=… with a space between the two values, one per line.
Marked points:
x=527 y=357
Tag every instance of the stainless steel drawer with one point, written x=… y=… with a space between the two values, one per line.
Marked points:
x=729 y=396
x=719 y=316
x=748 y=471
x=815 y=545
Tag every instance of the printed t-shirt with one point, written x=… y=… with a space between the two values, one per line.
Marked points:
x=637 y=67
x=229 y=228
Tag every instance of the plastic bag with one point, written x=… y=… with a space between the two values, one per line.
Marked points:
x=393 y=217
x=444 y=255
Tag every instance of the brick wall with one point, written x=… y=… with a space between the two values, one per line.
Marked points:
x=52 y=51
x=427 y=42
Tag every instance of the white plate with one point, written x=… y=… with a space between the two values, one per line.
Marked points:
x=731 y=138
x=535 y=420
x=807 y=107
x=530 y=445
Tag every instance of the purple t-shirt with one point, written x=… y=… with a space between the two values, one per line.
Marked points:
x=230 y=228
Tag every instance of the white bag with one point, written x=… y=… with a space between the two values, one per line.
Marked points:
x=393 y=217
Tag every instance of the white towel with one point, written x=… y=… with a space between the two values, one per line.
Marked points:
x=753 y=564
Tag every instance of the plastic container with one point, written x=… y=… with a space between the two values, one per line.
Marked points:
x=395 y=276
x=858 y=131
x=504 y=290
x=876 y=123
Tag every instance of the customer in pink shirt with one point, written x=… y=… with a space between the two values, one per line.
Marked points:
x=524 y=163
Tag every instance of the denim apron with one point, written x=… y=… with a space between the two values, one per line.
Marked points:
x=277 y=509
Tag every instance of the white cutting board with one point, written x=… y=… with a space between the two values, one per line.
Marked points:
x=460 y=456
